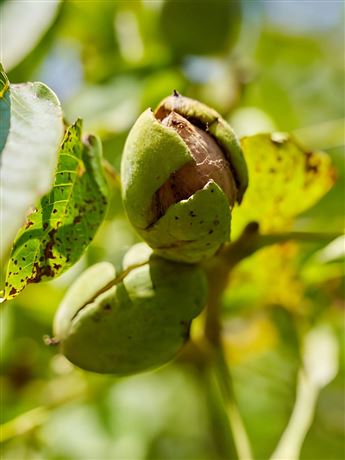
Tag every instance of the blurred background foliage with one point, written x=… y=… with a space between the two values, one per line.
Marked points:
x=266 y=66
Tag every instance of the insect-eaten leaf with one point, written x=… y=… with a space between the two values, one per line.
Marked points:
x=284 y=180
x=5 y=108
x=58 y=231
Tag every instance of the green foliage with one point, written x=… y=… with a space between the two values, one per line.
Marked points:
x=266 y=67
x=271 y=368
x=57 y=233
x=28 y=159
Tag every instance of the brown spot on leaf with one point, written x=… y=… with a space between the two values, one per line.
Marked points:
x=40 y=272
x=48 y=250
x=312 y=163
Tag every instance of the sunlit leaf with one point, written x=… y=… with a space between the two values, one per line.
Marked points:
x=59 y=230
x=29 y=156
x=5 y=107
x=22 y=26
x=328 y=213
x=284 y=180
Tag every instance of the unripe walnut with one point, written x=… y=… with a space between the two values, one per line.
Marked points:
x=139 y=324
x=182 y=171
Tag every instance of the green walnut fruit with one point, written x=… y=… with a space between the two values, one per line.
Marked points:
x=182 y=171
x=136 y=325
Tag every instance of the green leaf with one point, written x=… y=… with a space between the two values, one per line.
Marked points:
x=264 y=358
x=284 y=180
x=22 y=26
x=57 y=233
x=5 y=107
x=29 y=157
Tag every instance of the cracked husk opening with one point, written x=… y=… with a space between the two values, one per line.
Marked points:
x=209 y=163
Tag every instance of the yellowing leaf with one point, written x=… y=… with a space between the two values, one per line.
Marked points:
x=268 y=277
x=284 y=180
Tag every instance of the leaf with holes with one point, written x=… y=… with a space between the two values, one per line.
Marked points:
x=57 y=233
x=284 y=180
x=5 y=108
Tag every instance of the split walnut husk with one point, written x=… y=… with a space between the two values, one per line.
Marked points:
x=182 y=172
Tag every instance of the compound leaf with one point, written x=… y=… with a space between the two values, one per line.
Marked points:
x=57 y=233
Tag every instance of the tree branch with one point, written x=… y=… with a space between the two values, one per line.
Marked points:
x=251 y=241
